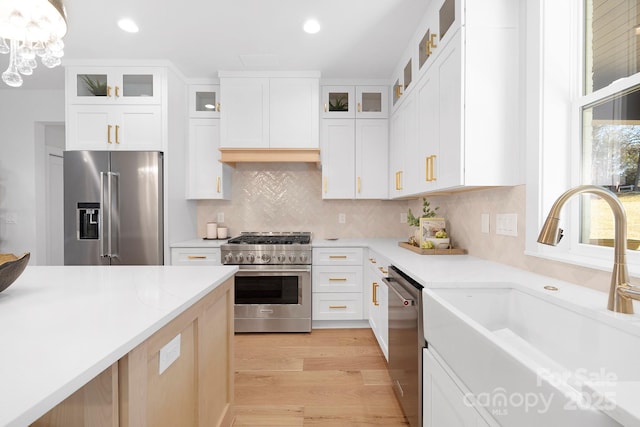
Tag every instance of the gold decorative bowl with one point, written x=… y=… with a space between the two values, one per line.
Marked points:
x=11 y=267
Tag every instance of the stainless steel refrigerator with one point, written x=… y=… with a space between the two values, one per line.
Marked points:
x=113 y=208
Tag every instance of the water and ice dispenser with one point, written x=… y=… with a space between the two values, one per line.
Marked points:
x=88 y=221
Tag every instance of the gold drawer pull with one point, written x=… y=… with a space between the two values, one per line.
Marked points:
x=337 y=306
x=117 y=134
x=197 y=257
x=383 y=270
x=372 y=260
x=109 y=91
x=218 y=184
x=337 y=257
x=117 y=91
x=109 y=134
x=337 y=279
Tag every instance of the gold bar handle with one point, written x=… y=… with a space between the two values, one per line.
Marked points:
x=374 y=292
x=218 y=107
x=431 y=44
x=108 y=91
x=218 y=184
x=337 y=257
x=117 y=134
x=197 y=257
x=337 y=279
x=359 y=108
x=109 y=134
x=399 y=180
x=432 y=164
x=117 y=91
x=426 y=168
x=398 y=90
x=359 y=184
x=383 y=270
x=324 y=185
x=326 y=108
x=337 y=306
x=372 y=260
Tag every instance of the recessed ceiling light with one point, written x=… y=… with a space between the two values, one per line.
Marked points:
x=311 y=26
x=128 y=25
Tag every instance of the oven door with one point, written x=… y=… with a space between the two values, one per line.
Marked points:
x=273 y=298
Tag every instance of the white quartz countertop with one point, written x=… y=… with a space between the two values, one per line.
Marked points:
x=62 y=326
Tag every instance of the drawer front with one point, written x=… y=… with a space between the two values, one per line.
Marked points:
x=337 y=256
x=377 y=264
x=337 y=306
x=337 y=279
x=195 y=256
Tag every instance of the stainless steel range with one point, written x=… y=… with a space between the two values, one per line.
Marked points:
x=273 y=285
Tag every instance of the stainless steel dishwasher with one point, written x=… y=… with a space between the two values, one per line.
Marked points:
x=406 y=341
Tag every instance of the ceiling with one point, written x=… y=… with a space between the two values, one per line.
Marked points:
x=359 y=38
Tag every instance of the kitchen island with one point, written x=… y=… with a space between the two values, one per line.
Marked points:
x=85 y=346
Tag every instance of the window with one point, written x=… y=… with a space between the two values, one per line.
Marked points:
x=610 y=117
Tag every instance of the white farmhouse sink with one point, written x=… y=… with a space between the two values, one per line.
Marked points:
x=531 y=359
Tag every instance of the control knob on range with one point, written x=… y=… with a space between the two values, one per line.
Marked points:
x=239 y=258
x=228 y=258
x=292 y=258
x=281 y=258
x=250 y=258
x=266 y=257
x=304 y=258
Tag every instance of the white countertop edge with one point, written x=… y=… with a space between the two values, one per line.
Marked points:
x=42 y=406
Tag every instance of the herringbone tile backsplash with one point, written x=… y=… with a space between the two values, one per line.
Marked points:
x=288 y=197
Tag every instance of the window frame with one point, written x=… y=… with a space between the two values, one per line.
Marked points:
x=556 y=31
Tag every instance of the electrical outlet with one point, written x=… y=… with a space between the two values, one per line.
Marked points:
x=507 y=224
x=220 y=217
x=403 y=217
x=484 y=223
x=342 y=218
x=169 y=354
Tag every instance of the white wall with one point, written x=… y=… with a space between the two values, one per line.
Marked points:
x=21 y=111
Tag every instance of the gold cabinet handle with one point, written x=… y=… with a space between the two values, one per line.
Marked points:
x=374 y=293
x=117 y=91
x=337 y=257
x=326 y=108
x=383 y=270
x=117 y=134
x=359 y=108
x=372 y=260
x=218 y=107
x=218 y=184
x=109 y=134
x=359 y=184
x=337 y=279
x=430 y=44
x=431 y=161
x=108 y=91
x=399 y=180
x=196 y=257
x=324 y=184
x=333 y=307
x=398 y=90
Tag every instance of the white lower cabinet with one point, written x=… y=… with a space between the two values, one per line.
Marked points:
x=377 y=299
x=195 y=256
x=337 y=284
x=444 y=403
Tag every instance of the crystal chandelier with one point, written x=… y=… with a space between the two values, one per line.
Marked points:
x=30 y=28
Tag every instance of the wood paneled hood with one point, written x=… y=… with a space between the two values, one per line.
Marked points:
x=232 y=156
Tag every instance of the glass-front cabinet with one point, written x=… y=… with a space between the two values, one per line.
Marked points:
x=204 y=101
x=114 y=85
x=355 y=101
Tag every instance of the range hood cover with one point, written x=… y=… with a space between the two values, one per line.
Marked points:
x=264 y=155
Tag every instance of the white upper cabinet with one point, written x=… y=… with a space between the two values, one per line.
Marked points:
x=366 y=102
x=207 y=178
x=269 y=112
x=113 y=85
x=354 y=159
x=467 y=111
x=114 y=108
x=204 y=101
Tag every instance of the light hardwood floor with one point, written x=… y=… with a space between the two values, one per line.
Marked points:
x=330 y=377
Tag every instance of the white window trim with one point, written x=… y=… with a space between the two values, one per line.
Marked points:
x=553 y=130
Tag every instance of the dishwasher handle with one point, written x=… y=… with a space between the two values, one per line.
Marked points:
x=406 y=300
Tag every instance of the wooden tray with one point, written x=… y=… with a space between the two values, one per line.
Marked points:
x=434 y=251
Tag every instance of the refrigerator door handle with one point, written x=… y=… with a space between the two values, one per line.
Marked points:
x=114 y=214
x=103 y=237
